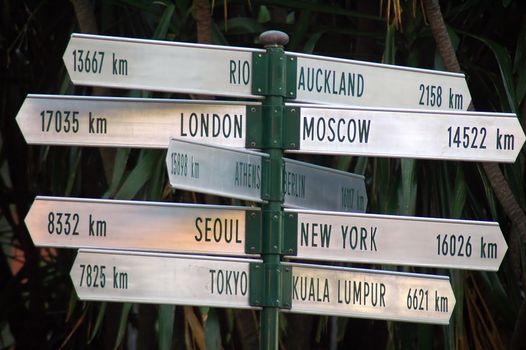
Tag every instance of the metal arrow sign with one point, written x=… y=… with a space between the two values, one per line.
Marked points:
x=132 y=122
x=136 y=225
x=396 y=240
x=159 y=65
x=107 y=275
x=315 y=187
x=216 y=170
x=347 y=82
x=372 y=294
x=470 y=136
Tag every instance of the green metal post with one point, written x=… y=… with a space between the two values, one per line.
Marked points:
x=272 y=218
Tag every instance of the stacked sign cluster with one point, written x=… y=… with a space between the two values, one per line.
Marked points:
x=210 y=255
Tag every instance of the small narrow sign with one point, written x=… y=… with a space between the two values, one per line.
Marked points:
x=159 y=65
x=371 y=294
x=215 y=170
x=469 y=136
x=396 y=240
x=131 y=122
x=315 y=187
x=330 y=80
x=135 y=225
x=106 y=275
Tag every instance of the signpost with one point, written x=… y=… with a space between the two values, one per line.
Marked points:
x=159 y=65
x=471 y=136
x=330 y=80
x=338 y=291
x=396 y=240
x=132 y=122
x=107 y=275
x=220 y=167
x=148 y=226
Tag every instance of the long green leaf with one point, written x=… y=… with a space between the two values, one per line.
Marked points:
x=121 y=158
x=164 y=23
x=98 y=322
x=504 y=61
x=166 y=326
x=123 y=324
x=139 y=175
x=212 y=330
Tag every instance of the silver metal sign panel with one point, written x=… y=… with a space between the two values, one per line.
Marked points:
x=215 y=170
x=372 y=294
x=468 y=136
x=398 y=240
x=159 y=65
x=107 y=275
x=135 y=225
x=131 y=122
x=314 y=187
x=346 y=82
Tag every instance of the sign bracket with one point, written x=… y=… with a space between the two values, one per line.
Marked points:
x=291 y=128
x=274 y=73
x=290 y=241
x=254 y=127
x=263 y=279
x=253 y=232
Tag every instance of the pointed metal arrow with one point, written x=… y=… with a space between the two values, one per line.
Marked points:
x=470 y=136
x=108 y=275
x=132 y=122
x=135 y=225
x=372 y=294
x=396 y=240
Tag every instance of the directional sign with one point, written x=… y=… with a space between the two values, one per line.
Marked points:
x=215 y=170
x=371 y=294
x=397 y=240
x=107 y=275
x=135 y=225
x=315 y=187
x=408 y=133
x=159 y=65
x=131 y=122
x=337 y=81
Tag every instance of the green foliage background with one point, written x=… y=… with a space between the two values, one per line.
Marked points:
x=38 y=306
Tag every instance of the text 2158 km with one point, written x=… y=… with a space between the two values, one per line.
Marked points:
x=431 y=95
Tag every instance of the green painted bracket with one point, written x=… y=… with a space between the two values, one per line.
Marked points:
x=290 y=234
x=272 y=225
x=254 y=127
x=291 y=127
x=265 y=179
x=272 y=169
x=270 y=285
x=285 y=135
x=253 y=236
x=274 y=73
x=292 y=76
